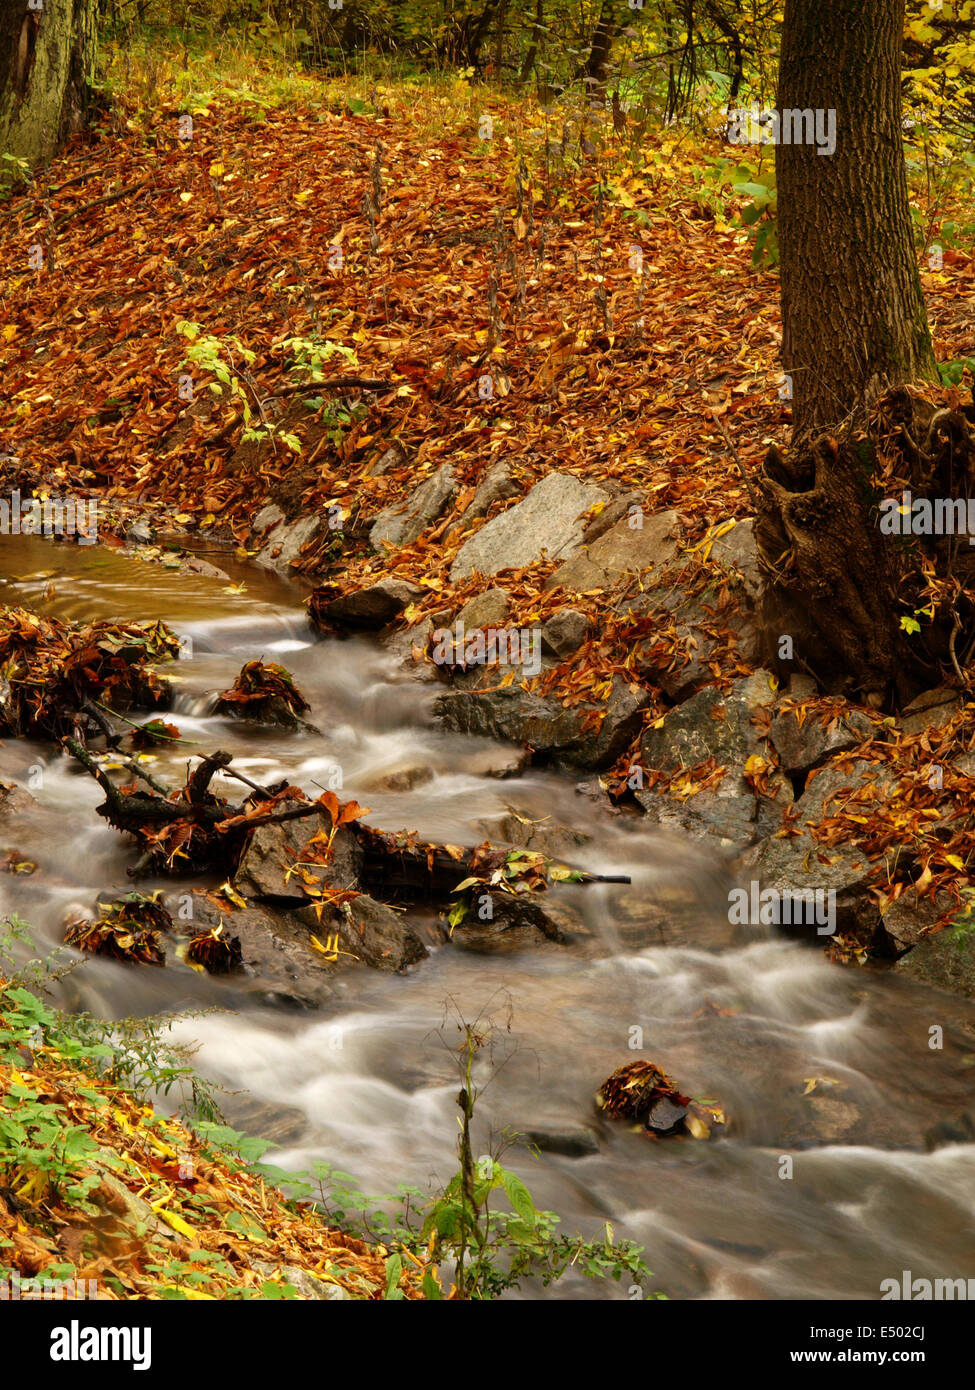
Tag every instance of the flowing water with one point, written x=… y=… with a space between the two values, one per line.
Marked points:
x=832 y=1067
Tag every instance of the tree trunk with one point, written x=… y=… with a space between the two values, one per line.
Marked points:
x=854 y=324
x=853 y=315
x=46 y=64
x=594 y=70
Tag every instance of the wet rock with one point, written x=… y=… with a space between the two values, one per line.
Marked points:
x=960 y=1129
x=403 y=780
x=373 y=607
x=267 y=865
x=718 y=725
x=664 y=1116
x=14 y=801
x=736 y=553
x=931 y=710
x=284 y=542
x=568 y=1140
x=543 y=723
x=280 y=964
x=518 y=922
x=623 y=549
x=799 y=863
x=564 y=632
x=403 y=523
x=803 y=747
x=550 y=521
x=267 y=517
x=907 y=920
x=369 y=932
x=485 y=610
x=544 y=837
x=498 y=762
x=945 y=960
x=497 y=485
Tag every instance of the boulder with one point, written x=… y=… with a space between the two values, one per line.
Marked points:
x=373 y=607
x=370 y=933
x=488 y=609
x=266 y=869
x=497 y=485
x=735 y=552
x=402 y=523
x=564 y=632
x=549 y=522
x=544 y=837
x=518 y=922
x=623 y=549
x=945 y=960
x=931 y=710
x=279 y=963
x=797 y=863
x=284 y=542
x=801 y=747
x=718 y=725
x=543 y=723
x=907 y=920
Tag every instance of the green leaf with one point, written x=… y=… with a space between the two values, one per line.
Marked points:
x=519 y=1196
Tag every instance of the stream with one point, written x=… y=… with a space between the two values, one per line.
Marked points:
x=827 y=1064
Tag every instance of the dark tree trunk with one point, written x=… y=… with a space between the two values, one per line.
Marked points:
x=593 y=71
x=46 y=63
x=853 y=324
x=853 y=315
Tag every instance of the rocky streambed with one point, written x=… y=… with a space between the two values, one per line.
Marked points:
x=833 y=1068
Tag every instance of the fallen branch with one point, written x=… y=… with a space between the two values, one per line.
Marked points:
x=101 y=202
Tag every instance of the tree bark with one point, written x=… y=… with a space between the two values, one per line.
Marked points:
x=854 y=325
x=853 y=318
x=46 y=66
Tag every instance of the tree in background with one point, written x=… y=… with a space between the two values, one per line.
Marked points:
x=47 y=56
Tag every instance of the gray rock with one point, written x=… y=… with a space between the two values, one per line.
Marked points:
x=375 y=606
x=518 y=922
x=266 y=518
x=370 y=933
x=309 y=1286
x=564 y=632
x=403 y=523
x=544 y=724
x=403 y=780
x=498 y=761
x=736 y=552
x=544 y=837
x=906 y=920
x=497 y=485
x=549 y=522
x=931 y=710
x=799 y=863
x=718 y=725
x=285 y=543
x=280 y=964
x=488 y=609
x=568 y=1139
x=623 y=549
x=945 y=960
x=801 y=748
x=393 y=457
x=273 y=850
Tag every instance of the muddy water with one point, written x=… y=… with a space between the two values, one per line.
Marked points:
x=829 y=1067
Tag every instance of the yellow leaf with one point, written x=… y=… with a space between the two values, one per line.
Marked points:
x=177 y=1222
x=956 y=862
x=303 y=196
x=185 y=197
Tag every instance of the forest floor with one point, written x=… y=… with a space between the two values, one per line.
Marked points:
x=522 y=289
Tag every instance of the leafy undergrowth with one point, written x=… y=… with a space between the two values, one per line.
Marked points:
x=96 y=1185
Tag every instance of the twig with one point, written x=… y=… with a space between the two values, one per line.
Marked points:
x=753 y=495
x=101 y=202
